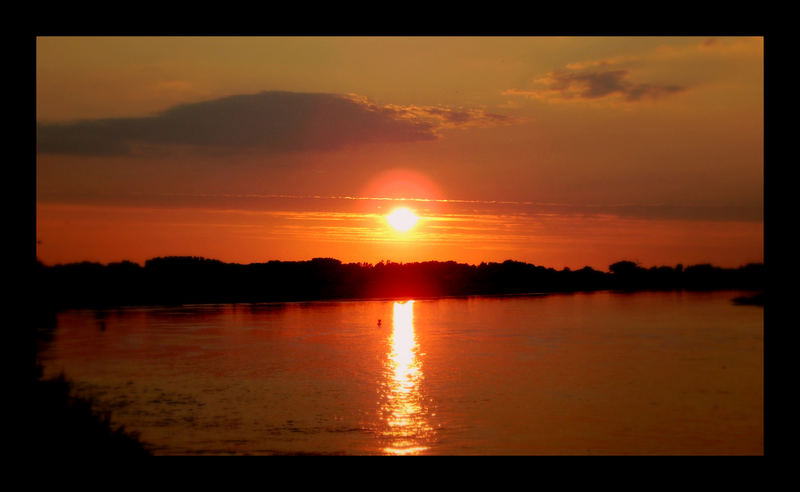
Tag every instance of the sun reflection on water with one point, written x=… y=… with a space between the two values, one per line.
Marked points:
x=407 y=429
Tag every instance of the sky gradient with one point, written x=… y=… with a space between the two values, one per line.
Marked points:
x=554 y=151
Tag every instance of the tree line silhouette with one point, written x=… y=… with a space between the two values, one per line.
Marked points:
x=185 y=280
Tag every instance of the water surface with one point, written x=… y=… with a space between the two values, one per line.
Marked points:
x=600 y=373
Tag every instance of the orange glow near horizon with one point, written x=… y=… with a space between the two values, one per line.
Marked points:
x=74 y=233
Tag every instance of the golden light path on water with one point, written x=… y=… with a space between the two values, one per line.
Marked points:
x=407 y=428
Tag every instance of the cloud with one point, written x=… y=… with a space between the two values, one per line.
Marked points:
x=594 y=85
x=440 y=117
x=451 y=118
x=637 y=77
x=267 y=121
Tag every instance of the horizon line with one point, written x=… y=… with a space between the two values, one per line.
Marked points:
x=385 y=261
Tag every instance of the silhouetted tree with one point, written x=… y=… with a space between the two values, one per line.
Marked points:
x=176 y=280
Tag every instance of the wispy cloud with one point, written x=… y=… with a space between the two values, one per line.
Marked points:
x=439 y=117
x=449 y=209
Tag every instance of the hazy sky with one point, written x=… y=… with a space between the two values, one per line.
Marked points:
x=555 y=151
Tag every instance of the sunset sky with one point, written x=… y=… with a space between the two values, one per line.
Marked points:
x=561 y=152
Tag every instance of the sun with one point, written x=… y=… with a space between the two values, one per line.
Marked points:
x=402 y=219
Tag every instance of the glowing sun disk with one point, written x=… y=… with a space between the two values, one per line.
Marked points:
x=402 y=219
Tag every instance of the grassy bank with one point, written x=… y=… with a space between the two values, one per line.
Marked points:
x=61 y=423
x=66 y=425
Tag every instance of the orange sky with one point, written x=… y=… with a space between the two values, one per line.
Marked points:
x=554 y=151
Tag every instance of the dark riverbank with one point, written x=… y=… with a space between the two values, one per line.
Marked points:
x=63 y=424
x=66 y=425
x=184 y=280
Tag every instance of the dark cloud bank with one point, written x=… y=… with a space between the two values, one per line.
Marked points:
x=267 y=121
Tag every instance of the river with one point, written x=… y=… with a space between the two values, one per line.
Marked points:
x=599 y=373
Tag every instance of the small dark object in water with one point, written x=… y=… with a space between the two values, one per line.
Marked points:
x=379 y=322
x=754 y=300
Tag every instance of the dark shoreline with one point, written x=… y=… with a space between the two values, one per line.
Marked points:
x=68 y=425
x=61 y=423
x=192 y=280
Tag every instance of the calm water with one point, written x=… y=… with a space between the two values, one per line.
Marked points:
x=602 y=373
